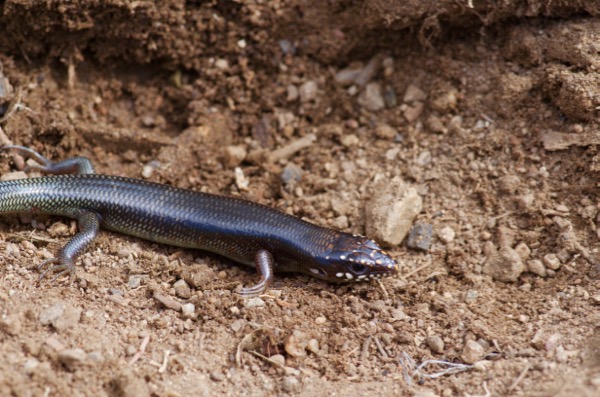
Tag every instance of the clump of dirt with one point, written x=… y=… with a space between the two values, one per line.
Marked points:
x=489 y=113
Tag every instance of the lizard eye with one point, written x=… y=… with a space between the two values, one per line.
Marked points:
x=357 y=268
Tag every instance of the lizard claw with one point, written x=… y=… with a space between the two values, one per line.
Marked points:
x=60 y=269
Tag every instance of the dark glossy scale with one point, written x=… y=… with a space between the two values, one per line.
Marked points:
x=246 y=232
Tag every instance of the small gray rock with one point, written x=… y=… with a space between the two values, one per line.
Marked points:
x=72 y=358
x=509 y=184
x=551 y=261
x=182 y=289
x=536 y=266
x=290 y=384
x=391 y=211
x=234 y=155
x=254 y=302
x=308 y=91
x=217 y=376
x=372 y=98
x=504 y=265
x=446 y=234
x=435 y=343
x=472 y=352
x=50 y=314
x=419 y=236
x=291 y=174
x=188 y=310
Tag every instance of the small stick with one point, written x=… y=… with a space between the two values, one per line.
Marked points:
x=520 y=377
x=165 y=362
x=416 y=270
x=140 y=351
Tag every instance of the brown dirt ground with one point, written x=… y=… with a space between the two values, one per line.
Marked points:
x=501 y=143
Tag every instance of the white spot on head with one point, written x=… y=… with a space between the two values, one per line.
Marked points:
x=349 y=276
x=339 y=275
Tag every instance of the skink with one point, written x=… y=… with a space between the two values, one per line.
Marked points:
x=246 y=232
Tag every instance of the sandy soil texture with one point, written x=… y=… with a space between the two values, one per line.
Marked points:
x=488 y=112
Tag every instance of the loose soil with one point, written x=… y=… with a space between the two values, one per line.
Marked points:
x=491 y=114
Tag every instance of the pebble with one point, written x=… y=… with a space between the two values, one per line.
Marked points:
x=385 y=131
x=392 y=154
x=435 y=343
x=188 y=310
x=419 y=236
x=10 y=324
x=238 y=324
x=371 y=98
x=359 y=76
x=412 y=113
x=536 y=266
x=504 y=265
x=241 y=181
x=398 y=314
x=446 y=234
x=389 y=97
x=148 y=121
x=234 y=155
x=445 y=100
x=471 y=296
x=472 y=352
x=278 y=358
x=287 y=47
x=313 y=346
x=292 y=93
x=217 y=376
x=254 y=302
x=509 y=184
x=525 y=202
x=222 y=64
x=167 y=301
x=182 y=289
x=347 y=76
x=61 y=316
x=291 y=174
x=95 y=357
x=134 y=281
x=295 y=344
x=424 y=158
x=551 y=261
x=72 y=358
x=414 y=94
x=31 y=365
x=149 y=168
x=308 y=91
x=59 y=229
x=435 y=124
x=523 y=250
x=391 y=212
x=349 y=140
x=290 y=384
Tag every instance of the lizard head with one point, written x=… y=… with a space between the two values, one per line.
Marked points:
x=354 y=258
